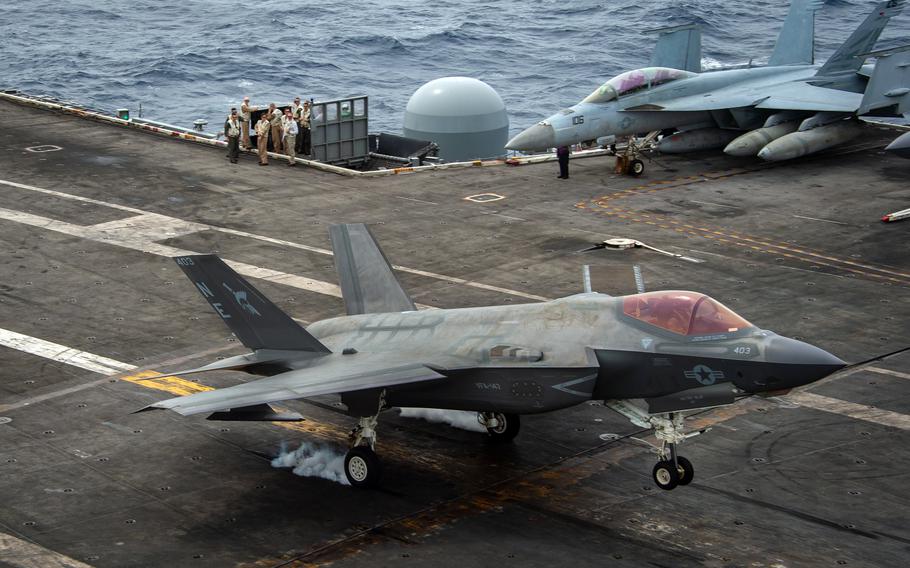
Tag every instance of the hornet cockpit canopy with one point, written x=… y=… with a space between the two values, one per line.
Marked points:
x=637 y=80
x=685 y=313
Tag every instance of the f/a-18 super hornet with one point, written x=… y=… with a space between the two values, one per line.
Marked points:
x=650 y=356
x=788 y=108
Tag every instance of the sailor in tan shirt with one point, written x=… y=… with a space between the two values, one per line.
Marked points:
x=245 y=110
x=289 y=128
x=263 y=127
x=275 y=117
x=304 y=134
x=297 y=112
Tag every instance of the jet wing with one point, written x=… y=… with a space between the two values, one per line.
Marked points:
x=802 y=96
x=785 y=96
x=326 y=375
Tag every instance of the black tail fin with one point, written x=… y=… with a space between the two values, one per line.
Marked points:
x=257 y=322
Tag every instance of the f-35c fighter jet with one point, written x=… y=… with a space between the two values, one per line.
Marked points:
x=788 y=108
x=651 y=356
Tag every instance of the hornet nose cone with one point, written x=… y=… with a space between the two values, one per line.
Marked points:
x=805 y=363
x=539 y=137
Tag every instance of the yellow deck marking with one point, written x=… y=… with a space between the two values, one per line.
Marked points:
x=170 y=384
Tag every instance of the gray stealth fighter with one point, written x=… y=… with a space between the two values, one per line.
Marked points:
x=650 y=356
x=790 y=107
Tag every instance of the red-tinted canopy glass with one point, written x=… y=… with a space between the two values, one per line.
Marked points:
x=685 y=313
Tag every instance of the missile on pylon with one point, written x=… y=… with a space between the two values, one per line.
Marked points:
x=751 y=142
x=900 y=146
x=805 y=142
x=695 y=140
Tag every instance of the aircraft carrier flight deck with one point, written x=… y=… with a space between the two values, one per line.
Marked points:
x=92 y=303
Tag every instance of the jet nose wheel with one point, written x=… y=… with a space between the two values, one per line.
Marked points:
x=666 y=475
x=686 y=471
x=362 y=467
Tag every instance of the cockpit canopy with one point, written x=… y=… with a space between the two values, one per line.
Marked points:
x=637 y=80
x=685 y=313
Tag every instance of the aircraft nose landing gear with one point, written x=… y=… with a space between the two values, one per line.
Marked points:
x=671 y=470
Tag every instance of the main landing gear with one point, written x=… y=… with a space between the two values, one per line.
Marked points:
x=361 y=464
x=672 y=469
x=501 y=427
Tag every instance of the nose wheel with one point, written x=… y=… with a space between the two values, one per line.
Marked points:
x=667 y=475
x=671 y=470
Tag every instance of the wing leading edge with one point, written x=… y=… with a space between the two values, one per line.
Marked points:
x=337 y=374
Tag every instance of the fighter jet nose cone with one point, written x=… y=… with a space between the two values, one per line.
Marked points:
x=814 y=363
x=538 y=137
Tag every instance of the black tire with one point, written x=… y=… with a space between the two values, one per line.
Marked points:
x=506 y=430
x=665 y=475
x=686 y=470
x=362 y=467
x=636 y=168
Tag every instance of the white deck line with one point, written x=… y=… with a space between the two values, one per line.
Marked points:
x=203 y=226
x=62 y=353
x=851 y=409
x=23 y=554
x=882 y=371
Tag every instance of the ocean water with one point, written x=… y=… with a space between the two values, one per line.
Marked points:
x=194 y=59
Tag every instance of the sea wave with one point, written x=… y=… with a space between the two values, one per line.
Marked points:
x=188 y=60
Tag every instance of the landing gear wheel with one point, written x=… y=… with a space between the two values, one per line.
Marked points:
x=665 y=475
x=362 y=467
x=636 y=167
x=507 y=426
x=686 y=471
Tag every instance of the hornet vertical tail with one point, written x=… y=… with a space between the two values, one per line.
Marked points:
x=850 y=56
x=889 y=85
x=678 y=47
x=796 y=42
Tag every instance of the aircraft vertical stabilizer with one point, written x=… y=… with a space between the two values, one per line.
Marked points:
x=368 y=283
x=257 y=322
x=678 y=47
x=850 y=56
x=796 y=42
x=890 y=82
